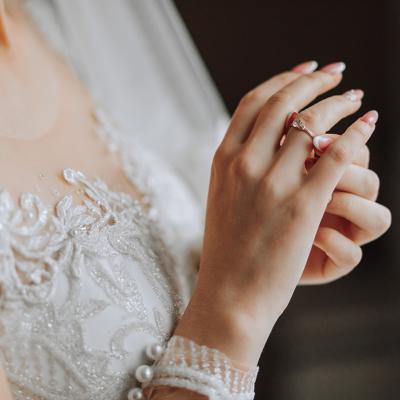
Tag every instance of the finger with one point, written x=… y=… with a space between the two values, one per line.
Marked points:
x=360 y=181
x=352 y=179
x=268 y=128
x=319 y=118
x=250 y=105
x=371 y=217
x=343 y=255
x=326 y=173
x=362 y=158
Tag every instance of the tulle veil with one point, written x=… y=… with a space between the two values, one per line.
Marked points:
x=139 y=61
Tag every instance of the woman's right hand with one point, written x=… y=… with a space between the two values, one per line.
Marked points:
x=263 y=210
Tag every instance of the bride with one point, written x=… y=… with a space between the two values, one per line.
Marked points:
x=100 y=238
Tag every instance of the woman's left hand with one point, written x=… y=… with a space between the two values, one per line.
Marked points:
x=352 y=218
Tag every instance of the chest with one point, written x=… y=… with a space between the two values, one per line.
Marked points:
x=86 y=286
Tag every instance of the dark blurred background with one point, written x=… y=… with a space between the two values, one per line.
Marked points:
x=339 y=341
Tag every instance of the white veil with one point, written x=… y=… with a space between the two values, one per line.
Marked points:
x=139 y=61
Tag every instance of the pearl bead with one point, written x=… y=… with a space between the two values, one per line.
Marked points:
x=135 y=394
x=144 y=373
x=154 y=351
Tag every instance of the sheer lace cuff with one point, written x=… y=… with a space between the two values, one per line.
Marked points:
x=206 y=371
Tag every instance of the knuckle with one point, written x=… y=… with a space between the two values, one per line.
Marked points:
x=254 y=96
x=344 y=102
x=347 y=204
x=285 y=78
x=353 y=256
x=282 y=97
x=269 y=188
x=310 y=116
x=311 y=78
x=362 y=130
x=301 y=207
x=243 y=167
x=372 y=183
x=342 y=203
x=325 y=235
x=367 y=154
x=322 y=77
x=220 y=156
x=384 y=219
x=339 y=153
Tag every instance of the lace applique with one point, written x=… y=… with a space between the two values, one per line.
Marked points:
x=207 y=371
x=84 y=288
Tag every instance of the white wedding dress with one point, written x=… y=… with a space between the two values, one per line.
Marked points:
x=86 y=288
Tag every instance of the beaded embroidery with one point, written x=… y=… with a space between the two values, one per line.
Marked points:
x=85 y=288
x=207 y=371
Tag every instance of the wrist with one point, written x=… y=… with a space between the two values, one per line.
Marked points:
x=220 y=321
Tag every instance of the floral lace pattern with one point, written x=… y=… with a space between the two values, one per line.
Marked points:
x=85 y=287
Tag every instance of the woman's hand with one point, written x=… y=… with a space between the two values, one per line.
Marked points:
x=264 y=211
x=352 y=219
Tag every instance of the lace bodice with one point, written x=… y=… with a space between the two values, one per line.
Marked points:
x=90 y=290
x=85 y=287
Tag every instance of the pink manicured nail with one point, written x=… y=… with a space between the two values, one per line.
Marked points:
x=306 y=67
x=354 y=95
x=370 y=117
x=321 y=142
x=335 y=68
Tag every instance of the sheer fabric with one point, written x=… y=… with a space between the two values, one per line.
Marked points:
x=139 y=61
x=86 y=287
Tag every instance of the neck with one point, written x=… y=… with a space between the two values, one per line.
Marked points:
x=29 y=83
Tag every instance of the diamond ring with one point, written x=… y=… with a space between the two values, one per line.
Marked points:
x=294 y=121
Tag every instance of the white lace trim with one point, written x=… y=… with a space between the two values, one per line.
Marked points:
x=207 y=371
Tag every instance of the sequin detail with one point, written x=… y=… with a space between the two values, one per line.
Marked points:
x=84 y=288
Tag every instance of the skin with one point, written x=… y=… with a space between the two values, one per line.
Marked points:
x=269 y=225
x=267 y=208
x=282 y=226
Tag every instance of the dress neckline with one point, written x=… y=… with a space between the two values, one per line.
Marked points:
x=91 y=189
x=33 y=229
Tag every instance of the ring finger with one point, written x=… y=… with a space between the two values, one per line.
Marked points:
x=250 y=105
x=318 y=118
x=264 y=137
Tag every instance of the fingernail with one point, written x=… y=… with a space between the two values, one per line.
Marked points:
x=335 y=68
x=321 y=142
x=306 y=67
x=370 y=117
x=354 y=95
